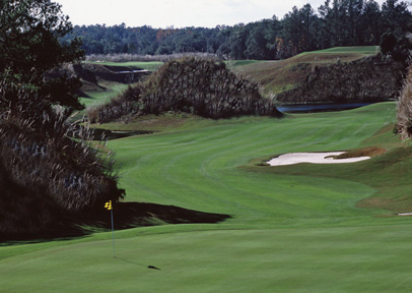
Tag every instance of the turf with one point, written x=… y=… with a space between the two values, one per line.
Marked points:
x=303 y=228
x=368 y=50
x=96 y=98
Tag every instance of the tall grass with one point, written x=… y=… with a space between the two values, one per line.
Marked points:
x=404 y=113
x=191 y=85
x=369 y=79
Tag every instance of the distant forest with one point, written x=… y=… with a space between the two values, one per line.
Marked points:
x=335 y=23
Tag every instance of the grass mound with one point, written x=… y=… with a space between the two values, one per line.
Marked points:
x=342 y=74
x=280 y=76
x=192 y=85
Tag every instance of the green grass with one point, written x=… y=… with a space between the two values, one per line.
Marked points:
x=149 y=65
x=236 y=63
x=96 y=98
x=367 y=50
x=294 y=229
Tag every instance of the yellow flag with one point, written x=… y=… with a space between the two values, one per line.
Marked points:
x=108 y=205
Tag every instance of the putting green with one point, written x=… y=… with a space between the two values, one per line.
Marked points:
x=293 y=229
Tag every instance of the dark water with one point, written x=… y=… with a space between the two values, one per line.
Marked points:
x=319 y=107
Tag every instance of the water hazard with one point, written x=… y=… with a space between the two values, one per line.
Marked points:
x=319 y=107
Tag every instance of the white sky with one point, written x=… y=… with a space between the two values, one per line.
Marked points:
x=178 y=13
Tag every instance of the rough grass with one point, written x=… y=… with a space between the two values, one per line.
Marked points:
x=279 y=76
x=364 y=152
x=294 y=228
x=367 y=50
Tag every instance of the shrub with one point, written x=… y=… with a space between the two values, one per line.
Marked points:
x=48 y=180
x=194 y=85
x=404 y=110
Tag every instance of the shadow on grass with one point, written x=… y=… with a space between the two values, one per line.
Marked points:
x=138 y=264
x=126 y=215
x=132 y=214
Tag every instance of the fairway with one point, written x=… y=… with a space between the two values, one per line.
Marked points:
x=148 y=65
x=300 y=228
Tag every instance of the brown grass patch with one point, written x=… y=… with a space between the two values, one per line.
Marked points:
x=278 y=76
x=364 y=152
x=396 y=205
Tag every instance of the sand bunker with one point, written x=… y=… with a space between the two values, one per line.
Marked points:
x=314 y=158
x=405 y=214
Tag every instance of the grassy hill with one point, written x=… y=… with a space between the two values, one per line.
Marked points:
x=302 y=228
x=279 y=76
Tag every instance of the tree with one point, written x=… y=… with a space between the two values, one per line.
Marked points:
x=396 y=17
x=258 y=44
x=298 y=30
x=48 y=180
x=30 y=48
x=237 y=41
x=370 y=23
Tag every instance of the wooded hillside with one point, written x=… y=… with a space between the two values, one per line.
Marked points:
x=335 y=23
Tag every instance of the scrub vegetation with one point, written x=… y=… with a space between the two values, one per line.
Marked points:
x=404 y=114
x=190 y=85
x=49 y=175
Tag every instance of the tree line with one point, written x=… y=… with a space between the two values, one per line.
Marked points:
x=335 y=23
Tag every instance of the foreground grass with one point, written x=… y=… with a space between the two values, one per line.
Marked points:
x=294 y=229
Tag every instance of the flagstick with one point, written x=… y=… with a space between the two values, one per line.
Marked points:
x=114 y=251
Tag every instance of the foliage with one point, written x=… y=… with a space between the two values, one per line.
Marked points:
x=49 y=174
x=30 y=49
x=47 y=178
x=192 y=85
x=335 y=23
x=369 y=79
x=404 y=111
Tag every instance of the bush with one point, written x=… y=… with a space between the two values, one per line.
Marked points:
x=404 y=110
x=193 y=85
x=48 y=180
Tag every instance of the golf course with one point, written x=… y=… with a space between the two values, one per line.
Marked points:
x=298 y=228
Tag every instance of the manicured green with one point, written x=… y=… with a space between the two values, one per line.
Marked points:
x=293 y=229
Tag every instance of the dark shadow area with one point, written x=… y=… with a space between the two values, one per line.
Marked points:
x=138 y=264
x=126 y=215
x=101 y=134
x=132 y=214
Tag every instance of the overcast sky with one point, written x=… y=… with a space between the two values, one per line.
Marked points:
x=178 y=13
